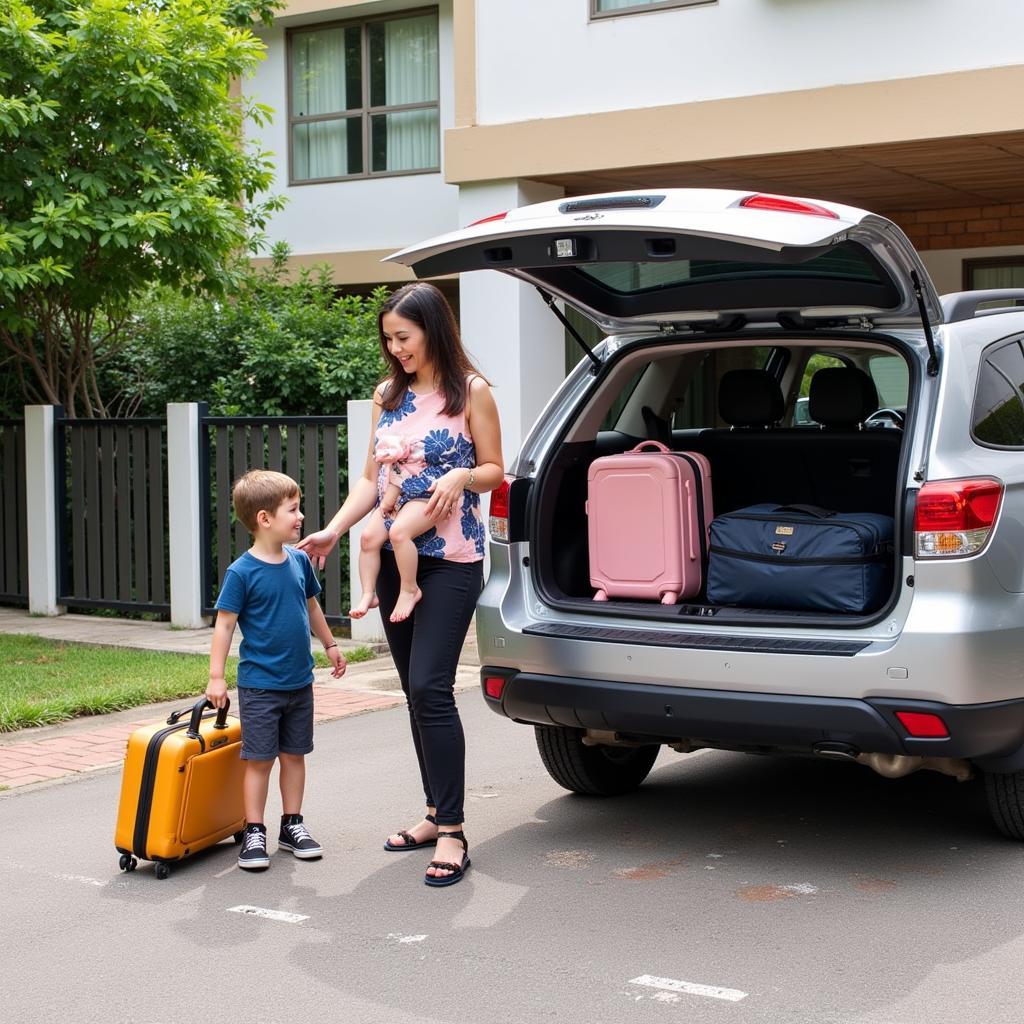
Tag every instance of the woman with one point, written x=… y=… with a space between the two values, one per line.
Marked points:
x=433 y=394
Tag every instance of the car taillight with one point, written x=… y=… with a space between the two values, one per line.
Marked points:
x=494 y=685
x=953 y=518
x=498 y=516
x=783 y=204
x=921 y=724
x=487 y=220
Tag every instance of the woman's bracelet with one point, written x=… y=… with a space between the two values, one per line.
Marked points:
x=329 y=646
x=472 y=476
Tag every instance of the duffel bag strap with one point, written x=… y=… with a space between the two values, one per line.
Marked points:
x=807 y=510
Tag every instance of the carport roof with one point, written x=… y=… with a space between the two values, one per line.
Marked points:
x=965 y=171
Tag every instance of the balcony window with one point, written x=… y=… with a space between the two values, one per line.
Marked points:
x=363 y=99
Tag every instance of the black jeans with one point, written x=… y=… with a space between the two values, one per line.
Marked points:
x=426 y=648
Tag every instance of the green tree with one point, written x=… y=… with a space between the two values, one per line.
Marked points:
x=122 y=166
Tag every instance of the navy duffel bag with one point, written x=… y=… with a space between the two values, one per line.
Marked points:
x=801 y=557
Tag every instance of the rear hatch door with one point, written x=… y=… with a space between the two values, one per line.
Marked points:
x=677 y=258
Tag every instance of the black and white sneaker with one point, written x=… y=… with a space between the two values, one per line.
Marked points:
x=295 y=837
x=254 y=849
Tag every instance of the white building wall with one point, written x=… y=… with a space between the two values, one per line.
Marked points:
x=945 y=266
x=364 y=213
x=548 y=60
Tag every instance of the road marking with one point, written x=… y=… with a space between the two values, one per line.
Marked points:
x=84 y=879
x=733 y=995
x=800 y=888
x=228 y=870
x=407 y=938
x=271 y=915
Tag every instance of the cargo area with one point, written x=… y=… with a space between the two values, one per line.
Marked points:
x=809 y=422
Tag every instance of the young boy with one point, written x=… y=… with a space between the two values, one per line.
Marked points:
x=270 y=591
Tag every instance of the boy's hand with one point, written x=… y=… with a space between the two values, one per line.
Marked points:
x=217 y=692
x=338 y=661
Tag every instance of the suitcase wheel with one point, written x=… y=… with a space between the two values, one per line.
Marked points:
x=238 y=837
x=127 y=862
x=162 y=870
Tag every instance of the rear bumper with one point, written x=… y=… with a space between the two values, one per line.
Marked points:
x=990 y=734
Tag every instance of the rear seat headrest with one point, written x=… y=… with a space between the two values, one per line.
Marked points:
x=841 y=396
x=750 y=398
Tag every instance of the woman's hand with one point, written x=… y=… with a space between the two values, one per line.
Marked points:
x=446 y=494
x=318 y=546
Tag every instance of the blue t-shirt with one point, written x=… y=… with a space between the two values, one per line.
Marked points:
x=270 y=600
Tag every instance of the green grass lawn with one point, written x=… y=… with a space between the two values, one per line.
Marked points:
x=42 y=681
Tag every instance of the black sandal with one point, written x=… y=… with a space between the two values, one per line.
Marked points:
x=457 y=870
x=410 y=843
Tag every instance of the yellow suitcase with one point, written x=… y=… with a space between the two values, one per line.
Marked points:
x=181 y=788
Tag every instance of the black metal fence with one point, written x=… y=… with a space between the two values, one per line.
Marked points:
x=310 y=449
x=112 y=505
x=13 y=517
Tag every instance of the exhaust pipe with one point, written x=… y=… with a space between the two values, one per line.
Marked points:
x=896 y=766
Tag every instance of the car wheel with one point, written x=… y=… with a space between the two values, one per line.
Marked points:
x=593 y=771
x=1006 y=802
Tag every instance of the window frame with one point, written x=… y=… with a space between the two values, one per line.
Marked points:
x=968 y=266
x=983 y=359
x=641 y=7
x=366 y=111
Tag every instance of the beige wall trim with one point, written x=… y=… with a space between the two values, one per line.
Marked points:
x=464 y=32
x=293 y=7
x=928 y=107
x=363 y=267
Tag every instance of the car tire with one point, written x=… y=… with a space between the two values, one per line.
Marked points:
x=592 y=771
x=1005 y=794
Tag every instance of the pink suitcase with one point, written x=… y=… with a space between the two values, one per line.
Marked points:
x=648 y=515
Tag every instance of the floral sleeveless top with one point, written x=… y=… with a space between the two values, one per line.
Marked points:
x=445 y=443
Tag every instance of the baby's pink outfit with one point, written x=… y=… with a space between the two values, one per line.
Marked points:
x=404 y=456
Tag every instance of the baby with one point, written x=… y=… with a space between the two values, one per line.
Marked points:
x=398 y=458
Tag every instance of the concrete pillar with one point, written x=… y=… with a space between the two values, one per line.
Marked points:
x=512 y=336
x=360 y=415
x=41 y=492
x=183 y=510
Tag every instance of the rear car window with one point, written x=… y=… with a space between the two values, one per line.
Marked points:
x=892 y=380
x=846 y=262
x=998 y=416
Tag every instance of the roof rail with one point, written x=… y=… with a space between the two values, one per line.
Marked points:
x=964 y=305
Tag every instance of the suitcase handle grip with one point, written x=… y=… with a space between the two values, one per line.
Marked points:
x=644 y=445
x=197 y=716
x=196 y=712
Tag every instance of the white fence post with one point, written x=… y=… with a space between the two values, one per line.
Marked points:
x=41 y=505
x=183 y=511
x=368 y=629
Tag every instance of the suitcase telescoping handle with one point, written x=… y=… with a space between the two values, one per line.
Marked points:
x=808 y=510
x=196 y=712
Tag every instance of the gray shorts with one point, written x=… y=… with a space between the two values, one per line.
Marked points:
x=275 y=722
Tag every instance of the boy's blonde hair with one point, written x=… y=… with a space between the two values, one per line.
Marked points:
x=261 y=490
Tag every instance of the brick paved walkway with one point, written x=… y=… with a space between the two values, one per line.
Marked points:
x=103 y=747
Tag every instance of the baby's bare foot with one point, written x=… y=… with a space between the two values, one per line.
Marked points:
x=407 y=600
x=369 y=601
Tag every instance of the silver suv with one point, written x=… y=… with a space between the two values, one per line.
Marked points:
x=720 y=310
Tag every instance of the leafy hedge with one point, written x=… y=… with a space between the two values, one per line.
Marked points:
x=276 y=348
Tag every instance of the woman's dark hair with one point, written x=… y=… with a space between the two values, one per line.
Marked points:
x=427 y=307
